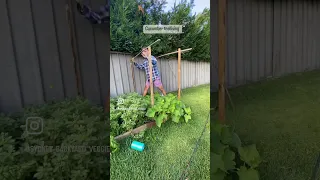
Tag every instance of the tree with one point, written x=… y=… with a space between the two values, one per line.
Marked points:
x=127 y=18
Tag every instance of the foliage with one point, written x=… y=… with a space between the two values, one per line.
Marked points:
x=127 y=112
x=232 y=160
x=70 y=123
x=126 y=28
x=131 y=110
x=168 y=107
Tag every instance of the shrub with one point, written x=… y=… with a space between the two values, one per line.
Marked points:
x=231 y=159
x=65 y=124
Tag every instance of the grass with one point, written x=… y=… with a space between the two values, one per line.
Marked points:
x=169 y=148
x=281 y=116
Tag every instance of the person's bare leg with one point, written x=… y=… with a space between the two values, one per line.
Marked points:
x=162 y=90
x=145 y=91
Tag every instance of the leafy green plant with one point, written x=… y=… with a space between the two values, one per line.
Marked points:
x=131 y=110
x=168 y=107
x=114 y=145
x=73 y=122
x=127 y=112
x=231 y=159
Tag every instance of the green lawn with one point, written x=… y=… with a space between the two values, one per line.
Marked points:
x=281 y=116
x=169 y=148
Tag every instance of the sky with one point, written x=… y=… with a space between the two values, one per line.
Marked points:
x=198 y=8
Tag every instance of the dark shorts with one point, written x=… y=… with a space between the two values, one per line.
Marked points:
x=156 y=82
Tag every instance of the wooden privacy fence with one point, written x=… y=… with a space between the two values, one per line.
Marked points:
x=266 y=39
x=192 y=74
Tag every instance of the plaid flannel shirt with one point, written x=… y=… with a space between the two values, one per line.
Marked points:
x=99 y=17
x=145 y=66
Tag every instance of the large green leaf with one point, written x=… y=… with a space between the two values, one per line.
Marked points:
x=175 y=119
x=228 y=159
x=226 y=135
x=159 y=119
x=187 y=117
x=219 y=175
x=236 y=141
x=187 y=110
x=247 y=174
x=151 y=113
x=250 y=155
x=217 y=127
x=217 y=146
x=218 y=163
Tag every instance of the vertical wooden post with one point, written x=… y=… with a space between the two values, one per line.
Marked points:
x=150 y=71
x=133 y=79
x=179 y=73
x=222 y=51
x=73 y=38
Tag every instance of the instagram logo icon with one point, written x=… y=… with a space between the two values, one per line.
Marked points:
x=34 y=125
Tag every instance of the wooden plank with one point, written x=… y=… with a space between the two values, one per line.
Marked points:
x=262 y=40
x=179 y=73
x=276 y=58
x=283 y=37
x=318 y=36
x=64 y=49
x=231 y=43
x=288 y=60
x=102 y=40
x=163 y=73
x=269 y=38
x=247 y=40
x=49 y=58
x=300 y=41
x=124 y=73
x=309 y=36
x=118 y=76
x=10 y=98
x=151 y=76
x=87 y=57
x=135 y=131
x=295 y=37
x=214 y=48
x=222 y=52
x=137 y=72
x=239 y=42
x=314 y=34
x=255 y=40
x=305 y=36
x=113 y=89
x=26 y=52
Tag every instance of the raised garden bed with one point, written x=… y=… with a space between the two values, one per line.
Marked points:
x=129 y=112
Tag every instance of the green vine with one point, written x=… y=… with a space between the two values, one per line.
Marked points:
x=231 y=159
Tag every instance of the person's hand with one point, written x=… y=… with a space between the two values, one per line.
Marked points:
x=132 y=60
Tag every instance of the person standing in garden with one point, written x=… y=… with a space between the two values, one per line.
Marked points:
x=155 y=72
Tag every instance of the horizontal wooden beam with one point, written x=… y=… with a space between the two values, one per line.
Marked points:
x=185 y=50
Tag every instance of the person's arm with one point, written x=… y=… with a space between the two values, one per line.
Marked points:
x=139 y=66
x=153 y=60
x=94 y=17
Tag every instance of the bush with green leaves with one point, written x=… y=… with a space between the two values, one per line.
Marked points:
x=168 y=107
x=131 y=110
x=70 y=123
x=231 y=159
x=126 y=28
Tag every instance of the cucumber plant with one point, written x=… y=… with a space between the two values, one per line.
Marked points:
x=168 y=107
x=131 y=110
x=231 y=159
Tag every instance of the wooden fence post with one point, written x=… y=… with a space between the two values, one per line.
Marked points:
x=179 y=73
x=222 y=51
x=150 y=72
